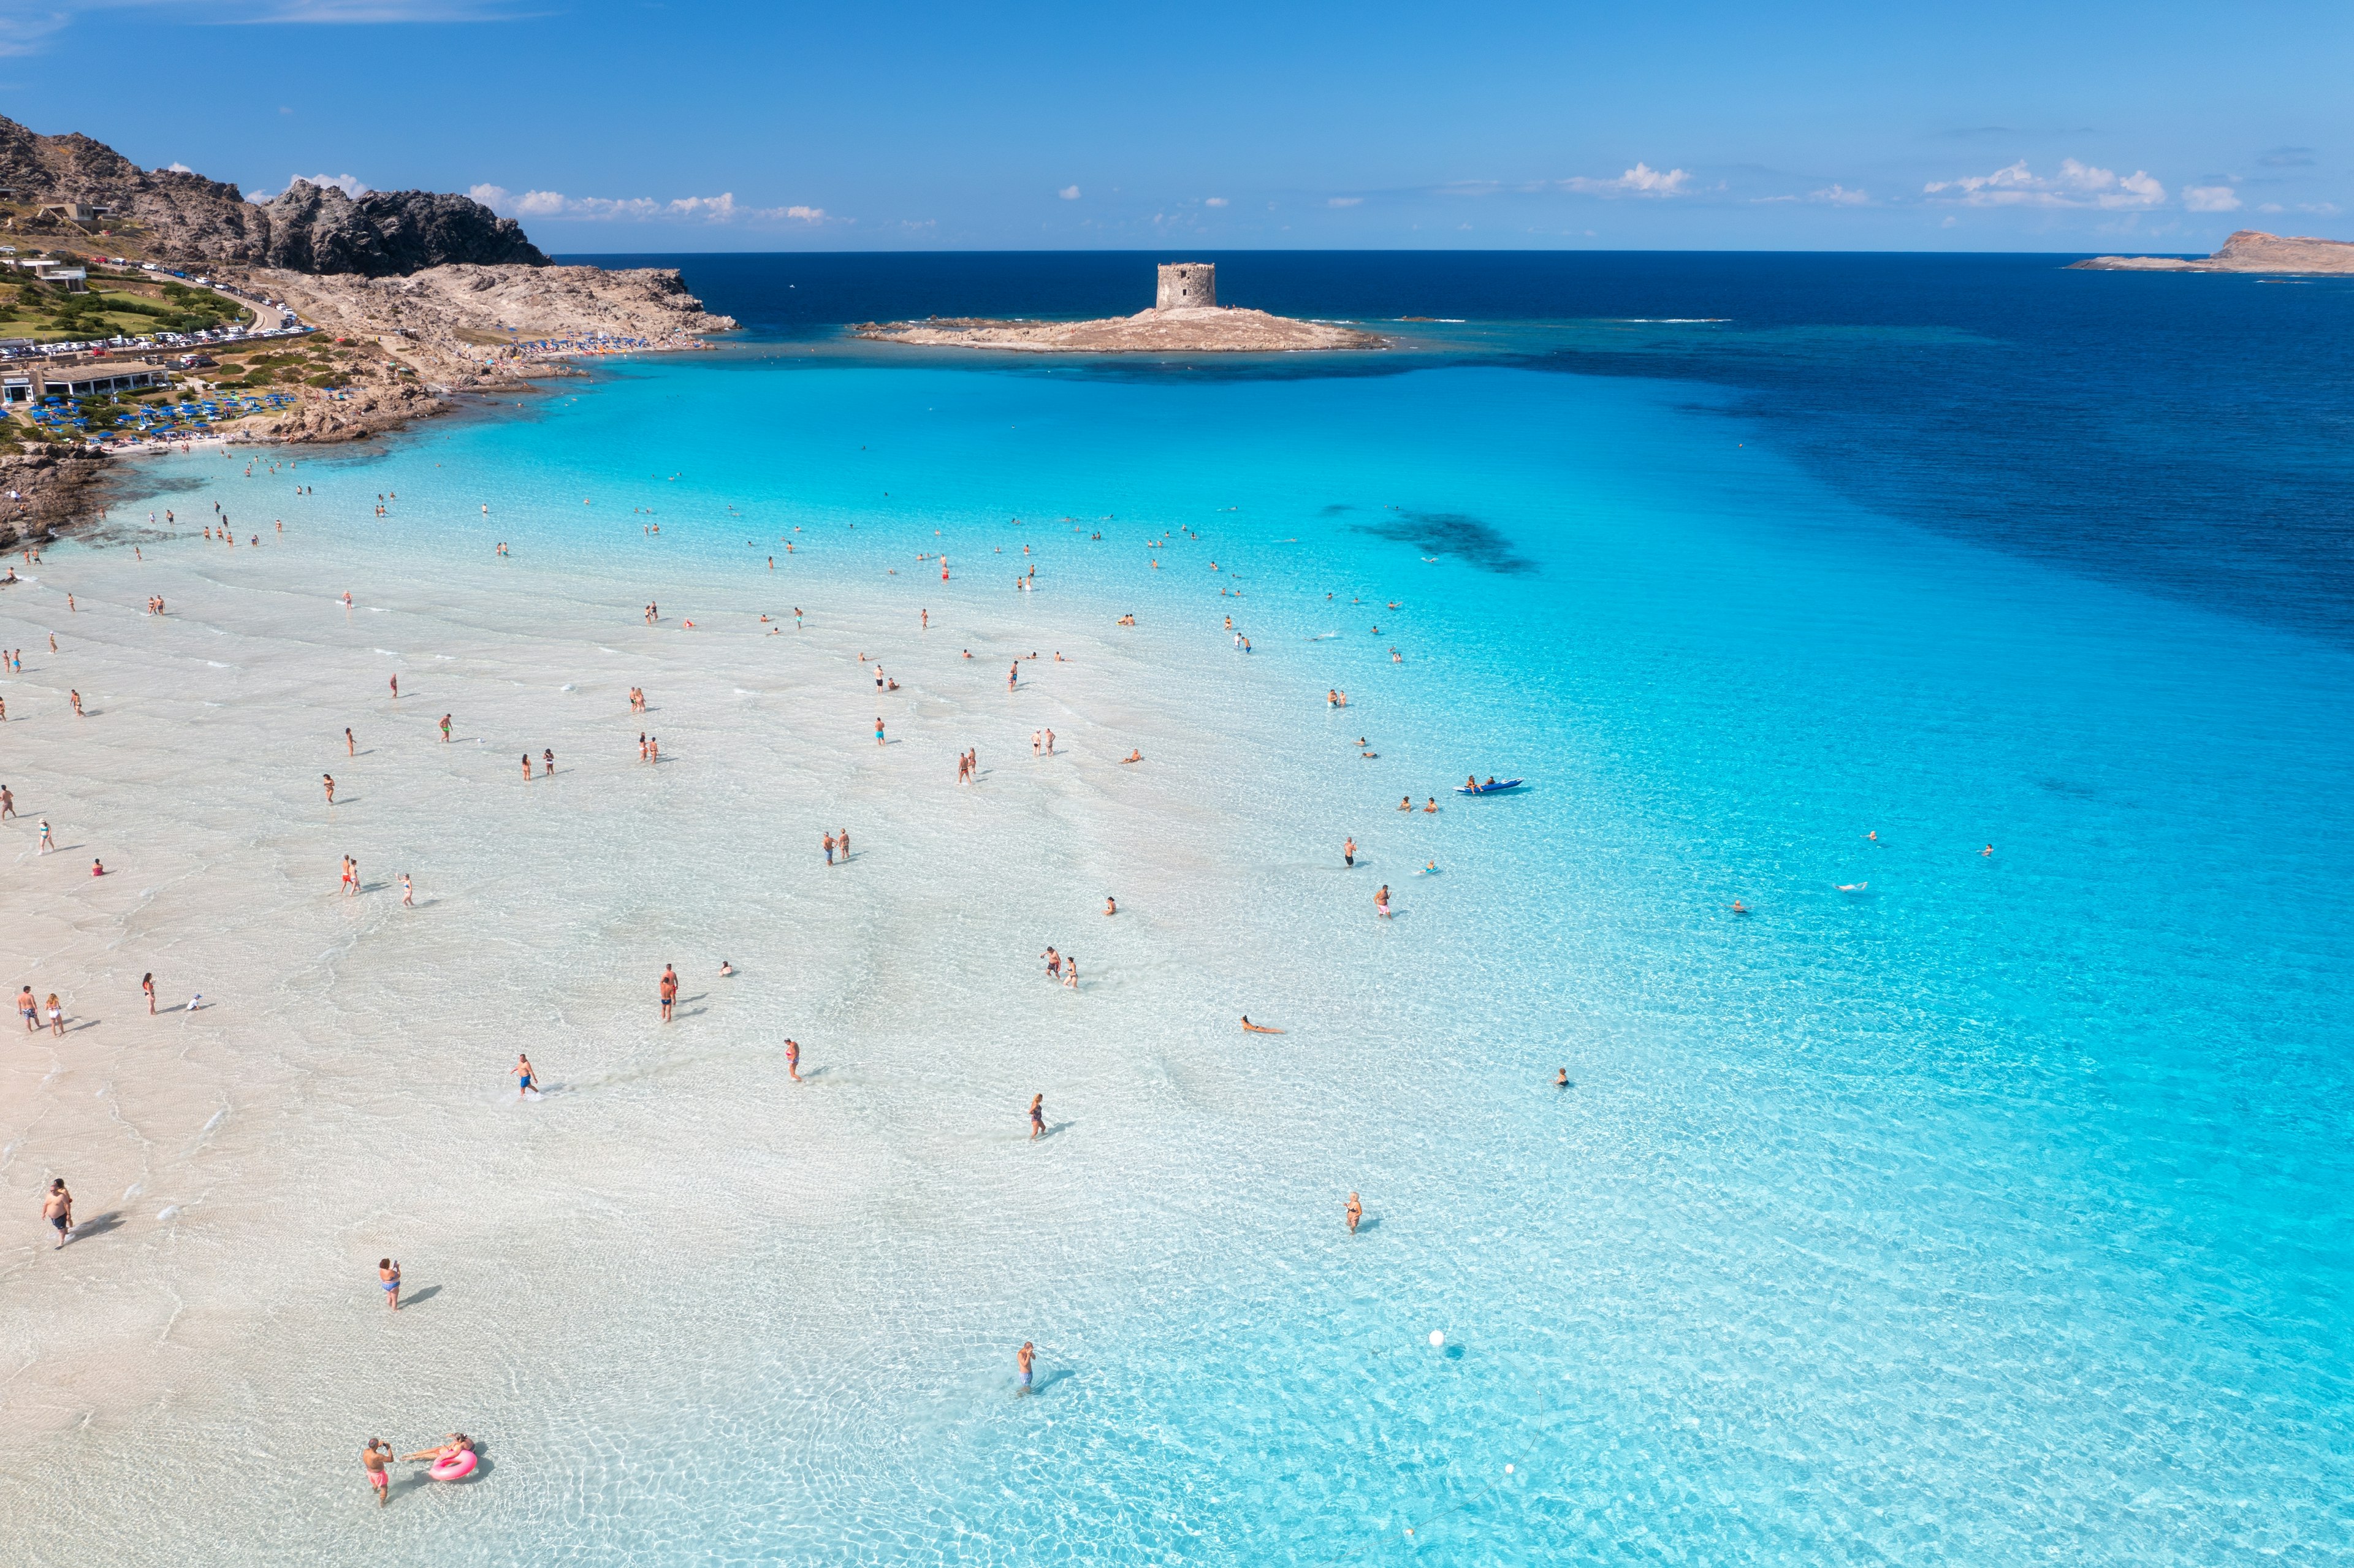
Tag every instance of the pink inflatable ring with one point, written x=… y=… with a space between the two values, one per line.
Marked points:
x=456 y=1468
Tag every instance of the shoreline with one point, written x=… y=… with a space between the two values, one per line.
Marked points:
x=414 y=344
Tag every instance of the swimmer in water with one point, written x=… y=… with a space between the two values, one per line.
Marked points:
x=1250 y=1028
x=1432 y=808
x=1406 y=802
x=1988 y=851
x=726 y=967
x=1110 y=907
x=1853 y=886
x=1561 y=1078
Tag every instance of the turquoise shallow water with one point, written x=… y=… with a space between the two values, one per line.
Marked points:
x=1994 y=1211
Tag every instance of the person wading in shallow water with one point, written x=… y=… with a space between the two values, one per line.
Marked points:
x=668 y=991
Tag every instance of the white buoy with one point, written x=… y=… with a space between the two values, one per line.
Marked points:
x=1436 y=1339
x=1508 y=1469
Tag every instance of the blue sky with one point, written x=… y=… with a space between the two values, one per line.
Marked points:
x=613 y=125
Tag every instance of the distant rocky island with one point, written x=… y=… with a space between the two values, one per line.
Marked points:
x=2249 y=250
x=1185 y=318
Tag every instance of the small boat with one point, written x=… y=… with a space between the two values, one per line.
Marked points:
x=1493 y=786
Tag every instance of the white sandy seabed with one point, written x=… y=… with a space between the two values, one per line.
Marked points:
x=676 y=1267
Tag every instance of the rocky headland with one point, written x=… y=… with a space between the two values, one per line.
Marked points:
x=1211 y=330
x=2249 y=250
x=420 y=299
x=461 y=328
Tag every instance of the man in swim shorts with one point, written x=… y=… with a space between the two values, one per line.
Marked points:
x=373 y=1459
x=668 y=991
x=57 y=1207
x=1026 y=1357
x=525 y=1079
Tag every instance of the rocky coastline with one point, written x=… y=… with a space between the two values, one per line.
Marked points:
x=408 y=348
x=417 y=300
x=1210 y=330
x=2249 y=250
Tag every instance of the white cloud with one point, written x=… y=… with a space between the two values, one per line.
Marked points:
x=1642 y=180
x=1344 y=201
x=1069 y=192
x=2077 y=184
x=2210 y=198
x=721 y=208
x=175 y=167
x=1837 y=195
x=1213 y=201
x=350 y=184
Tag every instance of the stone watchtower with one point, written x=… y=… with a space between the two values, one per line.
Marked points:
x=1187 y=286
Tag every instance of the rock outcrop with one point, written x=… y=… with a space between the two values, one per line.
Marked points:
x=318 y=228
x=2249 y=250
x=457 y=327
x=175 y=216
x=42 y=491
x=1198 y=331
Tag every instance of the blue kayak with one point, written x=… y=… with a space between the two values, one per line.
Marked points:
x=1491 y=789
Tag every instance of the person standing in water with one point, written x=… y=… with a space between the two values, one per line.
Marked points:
x=1037 y=1118
x=147 y=985
x=57 y=1207
x=1382 y=902
x=1026 y=1358
x=1357 y=1210
x=330 y=780
x=792 y=1059
x=527 y=1081
x=445 y=729
x=373 y=1459
x=387 y=1274
x=1349 y=851
x=668 y=991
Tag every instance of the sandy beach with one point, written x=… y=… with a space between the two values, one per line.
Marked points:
x=343 y=1093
